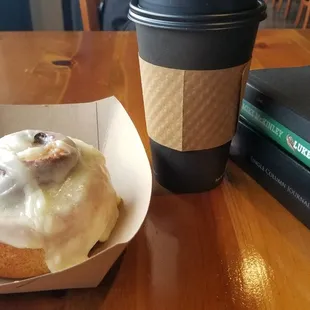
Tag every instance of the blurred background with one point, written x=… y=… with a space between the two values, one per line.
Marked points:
x=28 y=15
x=40 y=15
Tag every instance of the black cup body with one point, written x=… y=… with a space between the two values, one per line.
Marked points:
x=194 y=43
x=189 y=172
x=196 y=50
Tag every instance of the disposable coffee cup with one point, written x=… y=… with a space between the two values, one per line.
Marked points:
x=194 y=59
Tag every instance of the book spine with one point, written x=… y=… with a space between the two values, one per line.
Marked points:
x=277 y=106
x=285 y=179
x=280 y=134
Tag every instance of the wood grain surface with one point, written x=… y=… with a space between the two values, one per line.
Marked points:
x=232 y=248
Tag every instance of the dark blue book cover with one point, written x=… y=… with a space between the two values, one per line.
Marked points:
x=275 y=170
x=284 y=95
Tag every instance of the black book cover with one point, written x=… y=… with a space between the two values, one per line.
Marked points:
x=285 y=179
x=284 y=94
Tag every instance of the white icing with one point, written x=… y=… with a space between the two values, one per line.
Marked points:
x=65 y=216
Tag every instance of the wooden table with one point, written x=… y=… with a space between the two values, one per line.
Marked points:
x=232 y=248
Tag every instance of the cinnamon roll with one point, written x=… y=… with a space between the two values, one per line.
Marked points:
x=56 y=202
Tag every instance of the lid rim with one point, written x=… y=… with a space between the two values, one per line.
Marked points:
x=197 y=22
x=137 y=14
x=191 y=27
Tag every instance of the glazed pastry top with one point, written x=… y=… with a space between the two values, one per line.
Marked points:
x=55 y=194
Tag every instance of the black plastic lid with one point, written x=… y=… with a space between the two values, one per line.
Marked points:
x=176 y=7
x=201 y=21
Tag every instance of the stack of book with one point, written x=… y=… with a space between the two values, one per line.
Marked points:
x=272 y=142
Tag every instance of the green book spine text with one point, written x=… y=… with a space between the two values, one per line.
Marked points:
x=280 y=134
